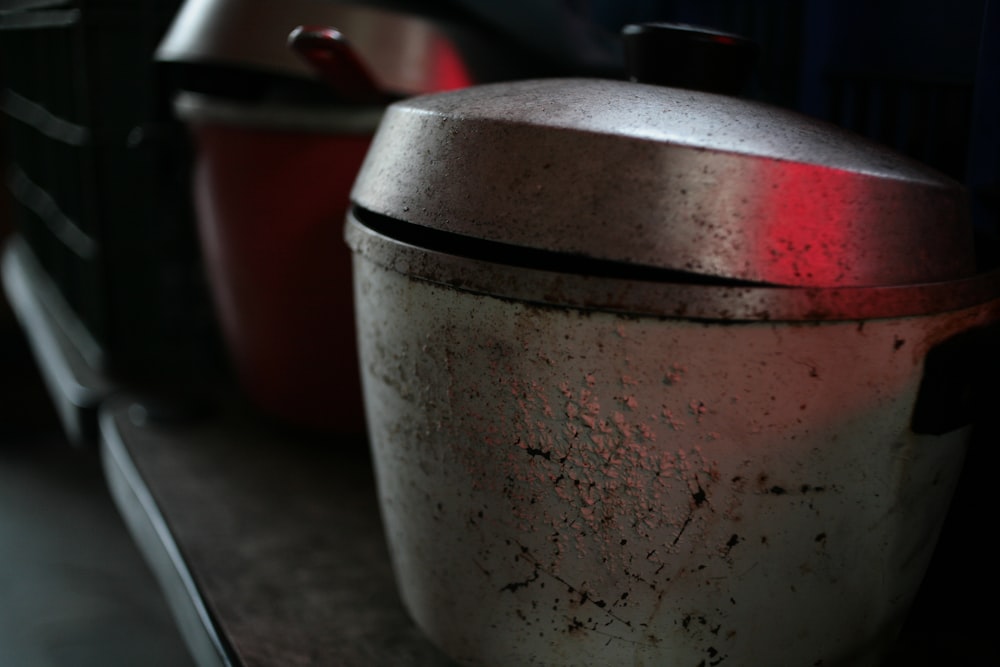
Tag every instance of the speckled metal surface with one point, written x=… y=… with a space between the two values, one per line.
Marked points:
x=669 y=178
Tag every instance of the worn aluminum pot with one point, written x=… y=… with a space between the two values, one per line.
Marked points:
x=652 y=376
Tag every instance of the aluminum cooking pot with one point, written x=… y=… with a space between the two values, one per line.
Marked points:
x=656 y=376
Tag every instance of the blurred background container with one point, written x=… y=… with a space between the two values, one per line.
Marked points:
x=280 y=133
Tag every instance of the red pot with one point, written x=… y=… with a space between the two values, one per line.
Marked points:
x=271 y=189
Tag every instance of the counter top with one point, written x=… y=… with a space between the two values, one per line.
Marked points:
x=268 y=545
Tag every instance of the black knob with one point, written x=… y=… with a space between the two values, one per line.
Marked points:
x=684 y=56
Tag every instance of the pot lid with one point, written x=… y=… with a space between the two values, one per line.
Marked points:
x=669 y=178
x=404 y=53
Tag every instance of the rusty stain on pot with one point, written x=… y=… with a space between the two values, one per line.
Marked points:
x=597 y=460
x=599 y=464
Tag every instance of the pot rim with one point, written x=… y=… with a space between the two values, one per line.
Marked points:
x=682 y=300
x=198 y=108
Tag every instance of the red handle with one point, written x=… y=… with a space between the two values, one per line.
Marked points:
x=329 y=52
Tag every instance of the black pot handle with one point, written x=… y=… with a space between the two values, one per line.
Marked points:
x=961 y=382
x=685 y=56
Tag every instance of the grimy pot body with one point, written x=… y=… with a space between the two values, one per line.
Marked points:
x=564 y=487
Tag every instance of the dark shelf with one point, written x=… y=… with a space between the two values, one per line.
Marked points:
x=268 y=545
